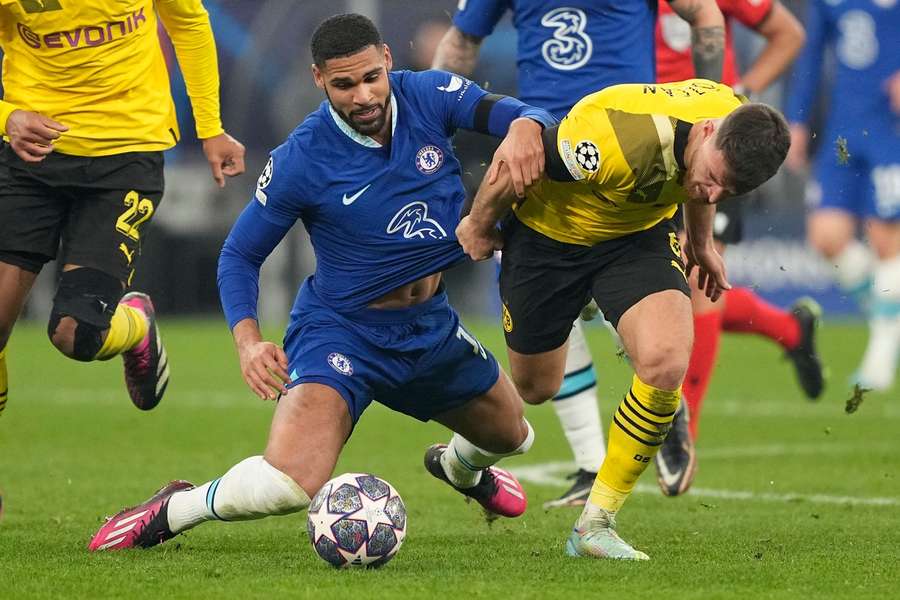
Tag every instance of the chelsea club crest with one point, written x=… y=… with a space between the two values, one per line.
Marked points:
x=429 y=159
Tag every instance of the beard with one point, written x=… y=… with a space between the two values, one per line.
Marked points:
x=372 y=123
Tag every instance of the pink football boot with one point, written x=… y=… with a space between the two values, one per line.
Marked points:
x=498 y=491
x=146 y=365
x=142 y=526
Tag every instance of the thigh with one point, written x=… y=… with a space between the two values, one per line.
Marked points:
x=309 y=429
x=639 y=265
x=544 y=284
x=658 y=329
x=115 y=203
x=327 y=354
x=15 y=283
x=452 y=369
x=32 y=210
x=492 y=421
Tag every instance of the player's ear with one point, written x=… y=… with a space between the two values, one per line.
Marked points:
x=708 y=128
x=388 y=59
x=317 y=76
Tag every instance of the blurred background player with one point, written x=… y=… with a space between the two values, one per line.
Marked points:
x=740 y=309
x=855 y=177
x=567 y=50
x=86 y=113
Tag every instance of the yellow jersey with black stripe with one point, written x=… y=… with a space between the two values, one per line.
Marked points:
x=617 y=161
x=96 y=66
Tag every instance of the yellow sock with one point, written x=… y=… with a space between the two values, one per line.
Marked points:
x=638 y=429
x=4 y=382
x=127 y=327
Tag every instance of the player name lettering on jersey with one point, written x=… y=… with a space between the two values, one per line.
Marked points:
x=90 y=35
x=694 y=88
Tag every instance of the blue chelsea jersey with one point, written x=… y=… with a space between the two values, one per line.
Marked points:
x=568 y=49
x=865 y=36
x=379 y=217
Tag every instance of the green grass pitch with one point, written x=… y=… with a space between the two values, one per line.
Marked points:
x=792 y=500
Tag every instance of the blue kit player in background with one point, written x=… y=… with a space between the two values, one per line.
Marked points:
x=856 y=174
x=566 y=51
x=373 y=178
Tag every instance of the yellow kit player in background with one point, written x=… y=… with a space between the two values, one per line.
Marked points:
x=85 y=117
x=599 y=226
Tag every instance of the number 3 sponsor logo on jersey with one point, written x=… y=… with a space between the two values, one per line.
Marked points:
x=570 y=48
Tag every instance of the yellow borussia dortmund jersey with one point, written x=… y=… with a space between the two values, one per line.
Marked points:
x=621 y=154
x=97 y=67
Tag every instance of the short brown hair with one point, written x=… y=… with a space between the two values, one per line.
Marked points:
x=754 y=139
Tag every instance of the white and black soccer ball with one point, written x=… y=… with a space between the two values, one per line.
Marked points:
x=356 y=520
x=587 y=155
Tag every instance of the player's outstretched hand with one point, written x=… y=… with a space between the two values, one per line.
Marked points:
x=477 y=241
x=711 y=276
x=225 y=155
x=523 y=153
x=264 y=367
x=31 y=135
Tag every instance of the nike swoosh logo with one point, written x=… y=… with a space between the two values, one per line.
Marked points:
x=351 y=199
x=667 y=476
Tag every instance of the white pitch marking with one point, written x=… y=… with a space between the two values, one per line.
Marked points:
x=546 y=474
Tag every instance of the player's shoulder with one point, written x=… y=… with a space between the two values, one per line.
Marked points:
x=429 y=81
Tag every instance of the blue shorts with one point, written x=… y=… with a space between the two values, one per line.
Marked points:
x=867 y=183
x=419 y=361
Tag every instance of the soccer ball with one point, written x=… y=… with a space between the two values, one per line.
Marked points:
x=356 y=520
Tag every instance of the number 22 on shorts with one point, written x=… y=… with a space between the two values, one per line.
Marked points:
x=137 y=210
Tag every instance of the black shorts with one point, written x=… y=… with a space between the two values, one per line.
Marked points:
x=544 y=283
x=94 y=211
x=728 y=226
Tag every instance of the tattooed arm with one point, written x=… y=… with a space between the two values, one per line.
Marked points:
x=457 y=52
x=707 y=35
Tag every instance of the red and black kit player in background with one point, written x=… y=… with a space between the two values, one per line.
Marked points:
x=740 y=309
x=86 y=115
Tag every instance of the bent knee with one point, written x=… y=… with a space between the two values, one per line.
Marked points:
x=537 y=391
x=664 y=369
x=61 y=331
x=85 y=302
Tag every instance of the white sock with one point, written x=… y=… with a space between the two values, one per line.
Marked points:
x=463 y=461
x=576 y=405
x=880 y=359
x=854 y=272
x=251 y=489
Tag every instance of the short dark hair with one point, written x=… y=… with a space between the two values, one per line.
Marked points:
x=343 y=35
x=754 y=139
